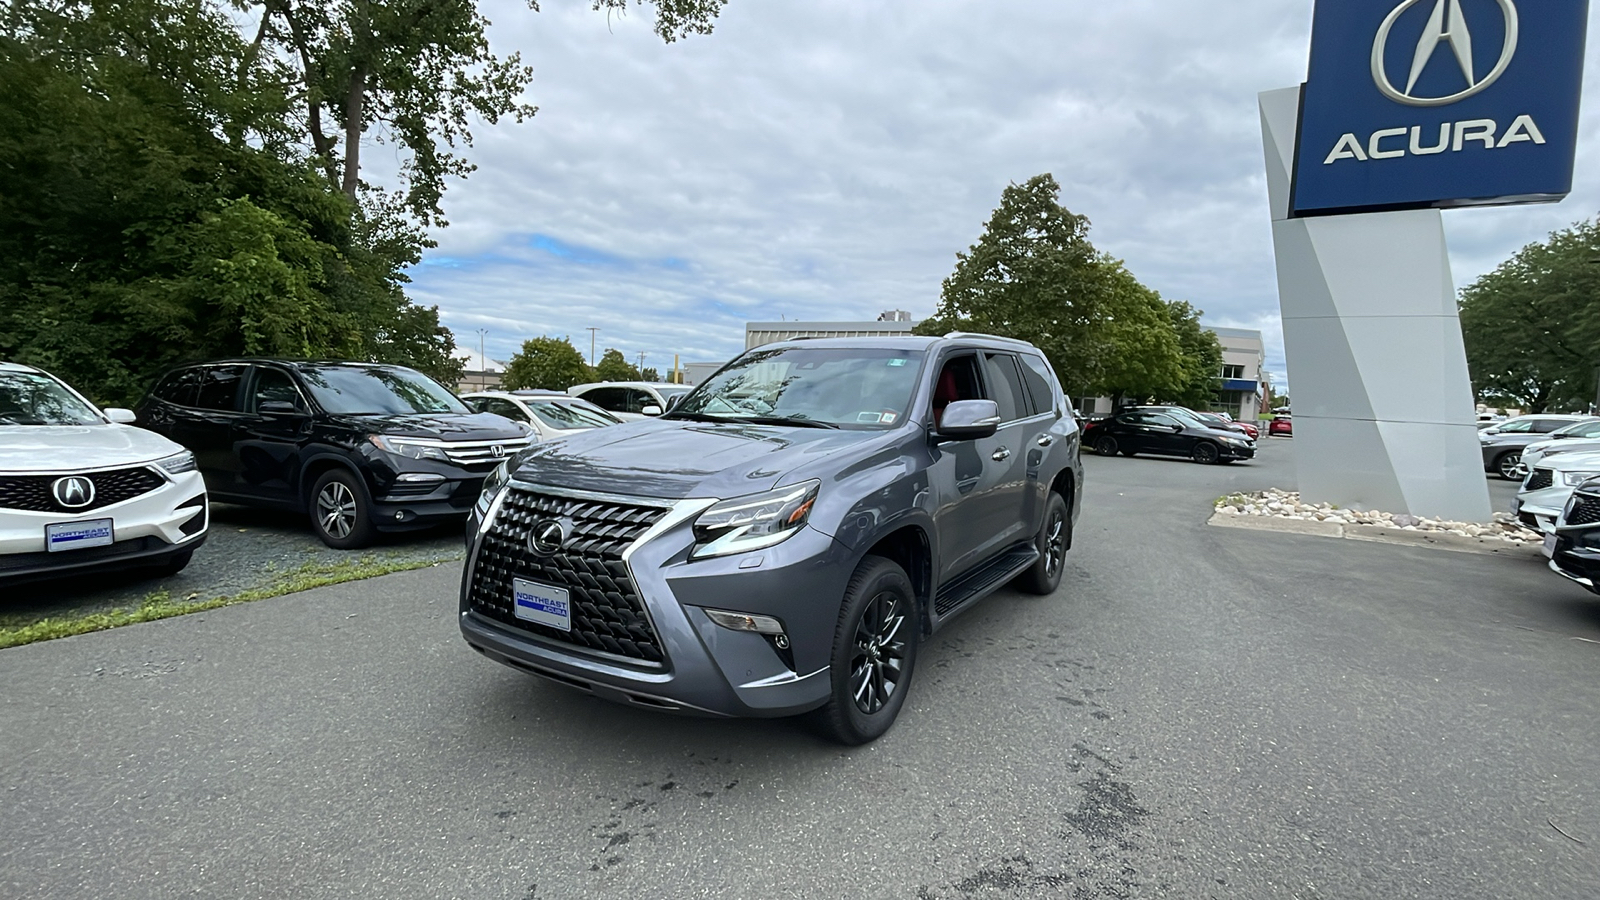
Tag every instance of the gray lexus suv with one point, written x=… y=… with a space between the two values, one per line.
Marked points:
x=781 y=540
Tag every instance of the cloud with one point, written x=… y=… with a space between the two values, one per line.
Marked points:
x=826 y=159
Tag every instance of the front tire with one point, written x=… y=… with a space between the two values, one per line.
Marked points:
x=1507 y=464
x=1106 y=445
x=341 y=514
x=1054 y=537
x=1205 y=453
x=874 y=653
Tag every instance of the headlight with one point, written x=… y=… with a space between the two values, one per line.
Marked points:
x=408 y=449
x=178 y=463
x=492 y=486
x=753 y=522
x=1573 y=479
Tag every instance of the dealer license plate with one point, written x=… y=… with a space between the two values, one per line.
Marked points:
x=542 y=603
x=1550 y=544
x=76 y=535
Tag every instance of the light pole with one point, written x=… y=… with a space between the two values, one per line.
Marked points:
x=641 y=363
x=592 y=331
x=483 y=361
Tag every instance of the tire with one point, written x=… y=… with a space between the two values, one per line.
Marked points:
x=1105 y=445
x=1506 y=465
x=874 y=653
x=1205 y=453
x=1053 y=539
x=340 y=512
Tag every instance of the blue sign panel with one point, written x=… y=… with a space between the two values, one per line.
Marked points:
x=1439 y=103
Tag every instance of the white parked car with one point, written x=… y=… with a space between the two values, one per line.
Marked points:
x=1577 y=437
x=1549 y=484
x=551 y=414
x=630 y=400
x=82 y=489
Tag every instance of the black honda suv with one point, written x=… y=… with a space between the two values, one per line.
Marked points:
x=783 y=537
x=359 y=447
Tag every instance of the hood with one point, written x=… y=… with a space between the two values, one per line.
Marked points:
x=439 y=426
x=1573 y=462
x=1563 y=447
x=53 y=448
x=676 y=459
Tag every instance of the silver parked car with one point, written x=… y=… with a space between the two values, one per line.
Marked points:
x=551 y=414
x=1503 y=443
x=1577 y=437
x=1547 y=487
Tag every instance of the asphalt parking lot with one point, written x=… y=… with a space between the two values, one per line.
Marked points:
x=247 y=549
x=1197 y=712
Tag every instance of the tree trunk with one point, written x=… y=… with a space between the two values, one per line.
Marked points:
x=353 y=102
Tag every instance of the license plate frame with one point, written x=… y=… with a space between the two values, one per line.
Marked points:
x=541 y=604
x=66 y=536
x=1549 y=546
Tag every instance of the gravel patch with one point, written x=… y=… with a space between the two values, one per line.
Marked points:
x=1280 y=504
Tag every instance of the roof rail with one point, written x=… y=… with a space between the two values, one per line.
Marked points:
x=989 y=337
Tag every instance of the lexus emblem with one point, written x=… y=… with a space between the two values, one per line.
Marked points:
x=1446 y=24
x=497 y=451
x=73 y=491
x=546 y=537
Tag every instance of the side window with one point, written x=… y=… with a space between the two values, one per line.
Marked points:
x=274 y=385
x=505 y=408
x=1545 y=426
x=1162 y=421
x=179 y=387
x=219 y=387
x=1037 y=375
x=1518 y=427
x=476 y=404
x=613 y=399
x=638 y=400
x=1005 y=385
x=958 y=380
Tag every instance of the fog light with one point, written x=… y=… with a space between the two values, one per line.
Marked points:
x=400 y=516
x=419 y=477
x=745 y=622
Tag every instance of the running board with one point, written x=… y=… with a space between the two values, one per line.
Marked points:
x=984 y=580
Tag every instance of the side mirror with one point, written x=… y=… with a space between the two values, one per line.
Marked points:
x=966 y=420
x=651 y=410
x=279 y=408
x=120 y=416
x=674 y=400
x=1176 y=429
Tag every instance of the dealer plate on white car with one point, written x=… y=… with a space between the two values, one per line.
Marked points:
x=1550 y=544
x=541 y=603
x=75 y=535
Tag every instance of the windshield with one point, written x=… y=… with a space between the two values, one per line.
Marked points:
x=378 y=390
x=1589 y=429
x=28 y=398
x=846 y=387
x=557 y=414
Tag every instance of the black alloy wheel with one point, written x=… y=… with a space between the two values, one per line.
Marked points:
x=1205 y=453
x=874 y=653
x=341 y=514
x=1105 y=445
x=1507 y=464
x=1055 y=536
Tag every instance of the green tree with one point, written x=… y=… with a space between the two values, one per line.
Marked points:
x=1201 y=354
x=1532 y=326
x=613 y=366
x=650 y=373
x=545 y=362
x=1034 y=275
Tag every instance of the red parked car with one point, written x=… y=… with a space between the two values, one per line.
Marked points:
x=1280 y=425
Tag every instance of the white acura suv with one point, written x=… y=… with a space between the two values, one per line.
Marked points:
x=82 y=489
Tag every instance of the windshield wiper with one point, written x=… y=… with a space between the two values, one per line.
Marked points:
x=694 y=416
x=801 y=421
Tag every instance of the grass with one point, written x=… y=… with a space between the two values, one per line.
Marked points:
x=160 y=605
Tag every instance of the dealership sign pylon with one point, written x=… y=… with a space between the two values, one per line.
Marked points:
x=1410 y=107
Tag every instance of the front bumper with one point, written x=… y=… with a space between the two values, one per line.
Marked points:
x=1540 y=509
x=706 y=669
x=1235 y=453
x=1580 y=564
x=146 y=530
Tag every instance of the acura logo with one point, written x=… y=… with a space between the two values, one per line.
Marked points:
x=546 y=537
x=73 y=491
x=1446 y=24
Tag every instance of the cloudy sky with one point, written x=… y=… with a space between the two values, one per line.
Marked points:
x=826 y=159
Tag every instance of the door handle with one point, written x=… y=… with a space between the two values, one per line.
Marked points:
x=1003 y=453
x=1046 y=440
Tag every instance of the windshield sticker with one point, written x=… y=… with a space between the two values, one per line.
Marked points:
x=897 y=361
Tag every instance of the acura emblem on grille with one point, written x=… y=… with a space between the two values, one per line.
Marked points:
x=73 y=491
x=546 y=536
